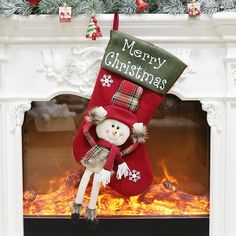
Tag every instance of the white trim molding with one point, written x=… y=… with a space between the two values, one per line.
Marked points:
x=19 y=112
x=3 y=60
x=230 y=163
x=79 y=70
x=212 y=109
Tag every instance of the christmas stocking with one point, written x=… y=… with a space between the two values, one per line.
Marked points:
x=154 y=70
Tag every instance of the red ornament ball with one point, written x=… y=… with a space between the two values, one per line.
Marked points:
x=141 y=5
x=34 y=2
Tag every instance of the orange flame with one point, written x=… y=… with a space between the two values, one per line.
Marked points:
x=168 y=182
x=163 y=199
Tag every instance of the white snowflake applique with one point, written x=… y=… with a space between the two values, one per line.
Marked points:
x=106 y=81
x=134 y=176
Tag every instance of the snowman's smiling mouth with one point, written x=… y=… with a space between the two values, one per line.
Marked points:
x=112 y=137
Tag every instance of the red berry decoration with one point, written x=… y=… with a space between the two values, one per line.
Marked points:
x=141 y=5
x=34 y=2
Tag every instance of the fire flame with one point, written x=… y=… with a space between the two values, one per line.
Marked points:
x=161 y=199
x=168 y=182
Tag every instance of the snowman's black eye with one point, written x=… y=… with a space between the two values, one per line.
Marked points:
x=117 y=127
x=113 y=126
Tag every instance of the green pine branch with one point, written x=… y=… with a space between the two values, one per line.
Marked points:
x=229 y=5
x=173 y=7
x=108 y=5
x=209 y=7
x=90 y=7
x=8 y=8
x=153 y=6
x=75 y=4
x=125 y=6
x=50 y=7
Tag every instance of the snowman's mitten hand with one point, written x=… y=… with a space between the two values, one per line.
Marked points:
x=123 y=170
x=104 y=177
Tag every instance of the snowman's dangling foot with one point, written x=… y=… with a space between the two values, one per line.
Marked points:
x=90 y=215
x=76 y=208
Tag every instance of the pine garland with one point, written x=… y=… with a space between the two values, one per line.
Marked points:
x=92 y=6
x=8 y=8
x=174 y=7
x=51 y=7
x=125 y=6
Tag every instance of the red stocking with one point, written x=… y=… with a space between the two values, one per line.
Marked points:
x=151 y=67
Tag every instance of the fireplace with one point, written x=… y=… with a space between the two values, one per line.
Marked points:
x=179 y=155
x=178 y=149
x=57 y=63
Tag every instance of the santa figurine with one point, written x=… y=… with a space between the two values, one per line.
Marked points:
x=113 y=132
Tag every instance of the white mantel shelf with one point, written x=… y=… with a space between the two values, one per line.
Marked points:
x=154 y=27
x=37 y=58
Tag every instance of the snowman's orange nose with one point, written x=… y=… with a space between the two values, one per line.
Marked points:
x=114 y=132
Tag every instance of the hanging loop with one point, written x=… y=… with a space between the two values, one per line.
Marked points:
x=116 y=21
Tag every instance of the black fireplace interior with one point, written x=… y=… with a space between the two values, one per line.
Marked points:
x=118 y=227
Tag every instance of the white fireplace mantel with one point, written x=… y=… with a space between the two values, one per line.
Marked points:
x=41 y=58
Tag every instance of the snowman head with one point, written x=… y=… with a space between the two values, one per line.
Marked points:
x=113 y=131
x=116 y=125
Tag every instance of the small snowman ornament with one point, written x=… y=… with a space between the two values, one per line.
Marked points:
x=114 y=125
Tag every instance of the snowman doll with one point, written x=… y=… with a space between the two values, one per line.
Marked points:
x=117 y=134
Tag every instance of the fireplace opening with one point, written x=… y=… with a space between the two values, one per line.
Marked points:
x=178 y=147
x=177 y=202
